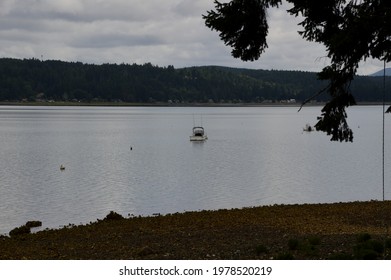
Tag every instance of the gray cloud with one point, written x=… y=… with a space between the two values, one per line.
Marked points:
x=116 y=40
x=169 y=32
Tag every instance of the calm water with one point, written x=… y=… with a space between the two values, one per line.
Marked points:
x=254 y=156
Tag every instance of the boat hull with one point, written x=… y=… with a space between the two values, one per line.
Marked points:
x=198 y=138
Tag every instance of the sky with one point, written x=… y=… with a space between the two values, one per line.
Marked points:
x=169 y=32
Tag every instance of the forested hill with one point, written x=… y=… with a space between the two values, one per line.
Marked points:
x=36 y=80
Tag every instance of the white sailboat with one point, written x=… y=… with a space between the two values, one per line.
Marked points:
x=198 y=133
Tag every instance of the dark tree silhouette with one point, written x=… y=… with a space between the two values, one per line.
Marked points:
x=351 y=31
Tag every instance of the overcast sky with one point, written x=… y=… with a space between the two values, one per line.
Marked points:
x=169 y=32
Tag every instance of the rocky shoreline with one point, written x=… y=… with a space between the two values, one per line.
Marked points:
x=355 y=230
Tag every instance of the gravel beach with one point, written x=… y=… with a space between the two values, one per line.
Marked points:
x=355 y=230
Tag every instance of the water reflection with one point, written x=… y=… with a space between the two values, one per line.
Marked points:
x=254 y=156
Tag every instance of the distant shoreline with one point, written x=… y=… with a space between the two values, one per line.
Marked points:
x=166 y=104
x=157 y=104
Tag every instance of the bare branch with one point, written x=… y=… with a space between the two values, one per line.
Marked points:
x=312 y=97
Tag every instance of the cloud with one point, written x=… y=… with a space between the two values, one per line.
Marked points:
x=111 y=40
x=287 y=49
x=187 y=8
x=170 y=32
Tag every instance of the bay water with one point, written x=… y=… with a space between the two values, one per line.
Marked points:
x=139 y=161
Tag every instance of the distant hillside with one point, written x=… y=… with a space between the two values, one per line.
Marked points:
x=36 y=80
x=381 y=72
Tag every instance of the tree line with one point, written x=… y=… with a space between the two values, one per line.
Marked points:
x=53 y=80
